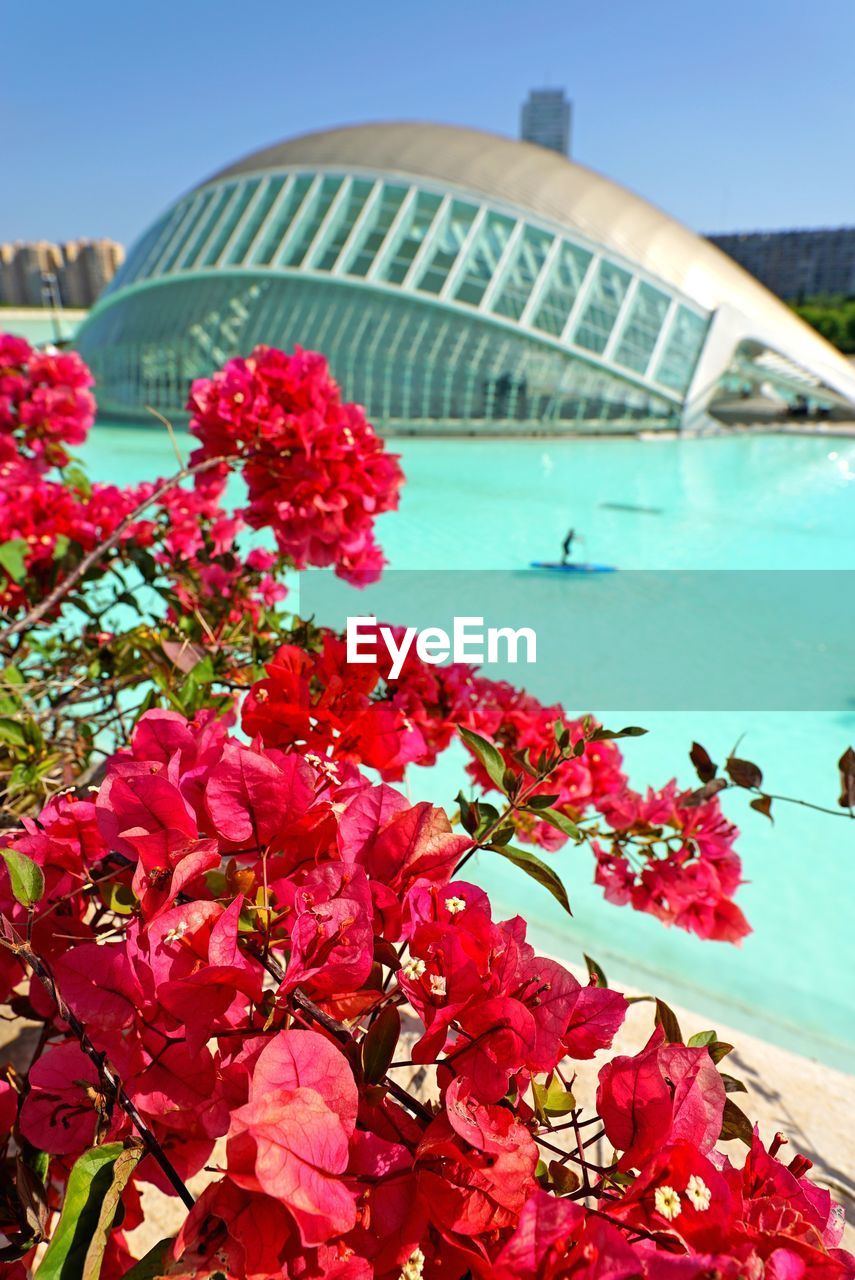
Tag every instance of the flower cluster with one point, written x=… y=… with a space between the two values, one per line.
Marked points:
x=692 y=1215
x=667 y=854
x=519 y=724
x=45 y=405
x=267 y=917
x=347 y=712
x=197 y=547
x=316 y=473
x=247 y=957
x=45 y=402
x=317 y=476
x=693 y=883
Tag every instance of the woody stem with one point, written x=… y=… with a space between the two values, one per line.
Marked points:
x=109 y=1078
x=61 y=590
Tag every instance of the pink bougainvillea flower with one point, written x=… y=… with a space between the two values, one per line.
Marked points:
x=332 y=933
x=469 y=1191
x=666 y=1093
x=557 y=1240
x=251 y=799
x=143 y=815
x=99 y=985
x=398 y=845
x=291 y=1138
x=60 y=1114
x=316 y=472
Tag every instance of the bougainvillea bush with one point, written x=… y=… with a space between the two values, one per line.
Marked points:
x=245 y=952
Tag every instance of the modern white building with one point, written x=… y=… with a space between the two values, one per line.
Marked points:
x=458 y=282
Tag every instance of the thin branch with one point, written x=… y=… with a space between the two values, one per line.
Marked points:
x=340 y=1033
x=806 y=804
x=517 y=803
x=109 y=1078
x=97 y=553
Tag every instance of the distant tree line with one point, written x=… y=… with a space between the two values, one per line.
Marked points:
x=833 y=316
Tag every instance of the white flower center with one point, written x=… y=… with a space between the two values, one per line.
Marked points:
x=667 y=1202
x=699 y=1193
x=177 y=933
x=437 y=985
x=414 y=1266
x=453 y=905
x=413 y=969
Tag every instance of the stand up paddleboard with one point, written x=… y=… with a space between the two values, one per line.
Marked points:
x=555 y=566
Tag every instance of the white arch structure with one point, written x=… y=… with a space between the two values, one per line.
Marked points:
x=457 y=281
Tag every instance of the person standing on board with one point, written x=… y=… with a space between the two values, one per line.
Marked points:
x=567 y=545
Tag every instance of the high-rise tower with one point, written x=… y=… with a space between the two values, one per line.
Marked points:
x=545 y=119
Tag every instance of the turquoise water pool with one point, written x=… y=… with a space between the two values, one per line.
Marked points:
x=763 y=503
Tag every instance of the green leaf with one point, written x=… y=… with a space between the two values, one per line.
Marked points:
x=12 y=555
x=735 y=1124
x=33 y=734
x=540 y=802
x=606 y=735
x=201 y=675
x=538 y=871
x=594 y=971
x=562 y=1179
x=719 y=1050
x=552 y=1099
x=701 y=1039
x=468 y=820
x=63 y=542
x=379 y=1044
x=122 y=1170
x=732 y=1085
x=92 y=1195
x=504 y=835
x=560 y=822
x=152 y=1265
x=76 y=478
x=12 y=732
x=667 y=1020
x=486 y=815
x=28 y=882
x=485 y=752
x=118 y=897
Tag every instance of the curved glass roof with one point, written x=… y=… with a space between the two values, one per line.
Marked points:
x=443 y=245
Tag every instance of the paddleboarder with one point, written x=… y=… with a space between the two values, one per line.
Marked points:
x=567 y=545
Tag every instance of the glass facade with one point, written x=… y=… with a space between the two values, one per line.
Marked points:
x=526 y=266
x=682 y=349
x=562 y=287
x=483 y=257
x=407 y=367
x=408 y=237
x=643 y=326
x=446 y=246
x=499 y=317
x=607 y=292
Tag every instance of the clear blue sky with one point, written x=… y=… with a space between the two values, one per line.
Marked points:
x=729 y=114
